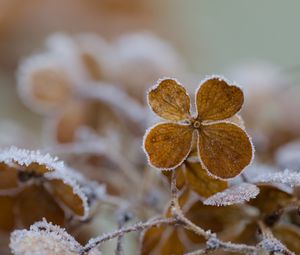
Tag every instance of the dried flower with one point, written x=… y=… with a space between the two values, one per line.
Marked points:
x=224 y=148
x=193 y=176
x=44 y=238
x=34 y=186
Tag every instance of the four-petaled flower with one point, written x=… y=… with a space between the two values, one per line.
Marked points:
x=224 y=148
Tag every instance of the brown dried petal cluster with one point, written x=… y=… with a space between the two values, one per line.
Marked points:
x=193 y=176
x=224 y=148
x=45 y=238
x=34 y=186
x=177 y=240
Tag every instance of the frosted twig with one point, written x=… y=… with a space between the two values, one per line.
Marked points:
x=136 y=227
x=213 y=243
x=119 y=248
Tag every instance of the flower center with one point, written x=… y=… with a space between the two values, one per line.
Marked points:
x=196 y=124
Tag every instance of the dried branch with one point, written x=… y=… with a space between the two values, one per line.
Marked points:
x=136 y=227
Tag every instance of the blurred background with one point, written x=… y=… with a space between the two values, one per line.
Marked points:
x=255 y=43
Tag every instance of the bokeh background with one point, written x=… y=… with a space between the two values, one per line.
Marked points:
x=253 y=42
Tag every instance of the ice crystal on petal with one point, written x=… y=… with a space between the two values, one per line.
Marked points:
x=43 y=238
x=287 y=177
x=24 y=157
x=234 y=195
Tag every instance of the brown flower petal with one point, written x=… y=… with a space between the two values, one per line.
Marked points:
x=50 y=86
x=217 y=100
x=65 y=194
x=8 y=177
x=7 y=220
x=168 y=144
x=74 y=115
x=217 y=219
x=180 y=177
x=289 y=235
x=151 y=239
x=225 y=149
x=162 y=240
x=170 y=100
x=35 y=203
x=271 y=199
x=199 y=181
x=173 y=245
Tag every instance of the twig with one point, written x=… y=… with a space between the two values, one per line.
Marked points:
x=136 y=227
x=119 y=248
x=213 y=243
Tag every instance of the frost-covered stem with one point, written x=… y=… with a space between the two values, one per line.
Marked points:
x=177 y=212
x=119 y=248
x=213 y=243
x=120 y=232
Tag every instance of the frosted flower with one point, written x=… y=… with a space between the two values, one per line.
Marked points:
x=234 y=195
x=44 y=238
x=33 y=186
x=224 y=148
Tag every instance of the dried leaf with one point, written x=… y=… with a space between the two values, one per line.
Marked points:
x=174 y=245
x=271 y=199
x=170 y=100
x=225 y=149
x=35 y=203
x=195 y=178
x=217 y=100
x=199 y=181
x=289 y=235
x=151 y=238
x=67 y=195
x=168 y=144
x=8 y=177
x=7 y=220
x=234 y=195
x=220 y=220
x=162 y=240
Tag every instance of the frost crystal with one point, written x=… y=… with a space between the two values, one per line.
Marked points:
x=286 y=177
x=23 y=157
x=273 y=245
x=43 y=238
x=57 y=170
x=234 y=195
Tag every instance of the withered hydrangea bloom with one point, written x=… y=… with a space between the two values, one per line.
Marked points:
x=224 y=148
x=177 y=240
x=191 y=175
x=33 y=186
x=47 y=239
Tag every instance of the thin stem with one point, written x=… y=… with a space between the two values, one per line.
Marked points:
x=136 y=227
x=213 y=243
x=119 y=248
